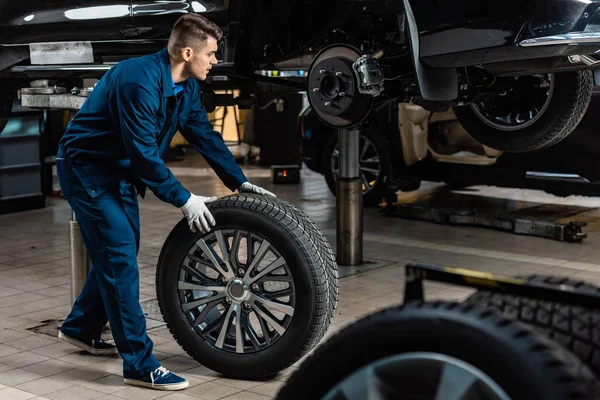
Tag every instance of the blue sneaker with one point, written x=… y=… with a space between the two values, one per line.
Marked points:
x=160 y=379
x=95 y=347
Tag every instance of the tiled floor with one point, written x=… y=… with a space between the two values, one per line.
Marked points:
x=34 y=284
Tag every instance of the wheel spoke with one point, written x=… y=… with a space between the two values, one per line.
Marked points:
x=221 y=340
x=365 y=181
x=216 y=324
x=271 y=321
x=371 y=170
x=262 y=251
x=264 y=328
x=224 y=249
x=267 y=270
x=235 y=248
x=249 y=248
x=455 y=383
x=365 y=149
x=275 y=278
x=365 y=385
x=202 y=301
x=202 y=316
x=196 y=274
x=371 y=160
x=239 y=334
x=182 y=285
x=249 y=330
x=277 y=294
x=287 y=310
x=199 y=260
x=215 y=263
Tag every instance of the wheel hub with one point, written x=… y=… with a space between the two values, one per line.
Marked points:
x=332 y=88
x=238 y=290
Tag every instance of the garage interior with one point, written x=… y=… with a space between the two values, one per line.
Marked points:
x=35 y=280
x=436 y=227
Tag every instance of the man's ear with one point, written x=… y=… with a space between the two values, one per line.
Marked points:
x=187 y=53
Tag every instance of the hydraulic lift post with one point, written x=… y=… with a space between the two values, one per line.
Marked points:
x=349 y=200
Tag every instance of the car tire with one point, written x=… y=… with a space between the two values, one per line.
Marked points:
x=283 y=238
x=398 y=353
x=375 y=195
x=570 y=98
x=575 y=328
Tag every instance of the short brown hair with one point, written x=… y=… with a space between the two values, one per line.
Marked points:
x=191 y=30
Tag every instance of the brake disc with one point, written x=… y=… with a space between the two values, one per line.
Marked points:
x=332 y=88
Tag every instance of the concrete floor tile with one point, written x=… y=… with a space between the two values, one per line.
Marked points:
x=212 y=391
x=268 y=389
x=50 y=367
x=75 y=393
x=15 y=394
x=17 y=376
x=23 y=359
x=44 y=386
x=31 y=342
x=108 y=384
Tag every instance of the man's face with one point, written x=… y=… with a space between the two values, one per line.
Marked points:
x=201 y=61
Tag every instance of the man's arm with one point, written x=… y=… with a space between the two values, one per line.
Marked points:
x=134 y=109
x=200 y=133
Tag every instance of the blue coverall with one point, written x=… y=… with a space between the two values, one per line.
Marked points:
x=111 y=151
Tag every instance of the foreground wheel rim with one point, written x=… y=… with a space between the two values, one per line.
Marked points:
x=237 y=291
x=418 y=376
x=370 y=165
x=499 y=112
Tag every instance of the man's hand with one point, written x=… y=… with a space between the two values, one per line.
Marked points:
x=247 y=187
x=197 y=213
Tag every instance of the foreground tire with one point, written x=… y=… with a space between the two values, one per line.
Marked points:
x=504 y=123
x=247 y=314
x=575 y=328
x=437 y=351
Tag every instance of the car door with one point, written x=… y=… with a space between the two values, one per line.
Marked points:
x=43 y=21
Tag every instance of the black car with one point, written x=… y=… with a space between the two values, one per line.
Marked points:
x=518 y=74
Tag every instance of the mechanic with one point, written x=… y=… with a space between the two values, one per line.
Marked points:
x=111 y=152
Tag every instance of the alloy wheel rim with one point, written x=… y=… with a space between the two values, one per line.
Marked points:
x=514 y=121
x=418 y=376
x=370 y=164
x=236 y=290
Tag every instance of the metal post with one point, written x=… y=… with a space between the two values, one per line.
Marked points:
x=43 y=97
x=80 y=263
x=349 y=200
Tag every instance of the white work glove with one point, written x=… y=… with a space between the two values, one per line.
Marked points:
x=247 y=187
x=197 y=214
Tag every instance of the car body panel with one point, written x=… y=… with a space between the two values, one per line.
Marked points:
x=36 y=21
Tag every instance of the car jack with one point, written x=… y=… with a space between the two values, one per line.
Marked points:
x=504 y=221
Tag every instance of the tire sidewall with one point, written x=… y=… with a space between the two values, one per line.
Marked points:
x=295 y=336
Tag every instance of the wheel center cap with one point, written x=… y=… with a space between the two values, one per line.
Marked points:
x=238 y=289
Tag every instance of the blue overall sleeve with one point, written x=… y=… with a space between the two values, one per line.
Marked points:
x=134 y=109
x=199 y=132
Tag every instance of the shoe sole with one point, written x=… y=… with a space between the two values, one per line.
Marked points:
x=172 y=386
x=89 y=349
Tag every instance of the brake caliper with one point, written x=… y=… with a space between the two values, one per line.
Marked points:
x=369 y=74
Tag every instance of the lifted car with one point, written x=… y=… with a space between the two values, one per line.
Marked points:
x=518 y=74
x=403 y=145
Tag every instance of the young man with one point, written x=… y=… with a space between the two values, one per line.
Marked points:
x=110 y=152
